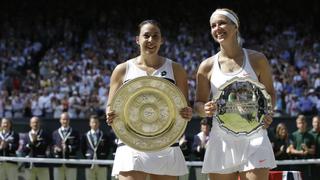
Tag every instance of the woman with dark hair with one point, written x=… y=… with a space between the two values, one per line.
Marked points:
x=165 y=164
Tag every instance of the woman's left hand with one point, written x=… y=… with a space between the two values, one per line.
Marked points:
x=186 y=113
x=267 y=120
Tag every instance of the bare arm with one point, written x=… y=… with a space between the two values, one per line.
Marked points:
x=115 y=82
x=263 y=71
x=203 y=87
x=292 y=150
x=304 y=152
x=181 y=78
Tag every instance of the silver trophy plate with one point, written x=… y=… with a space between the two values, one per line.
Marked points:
x=242 y=104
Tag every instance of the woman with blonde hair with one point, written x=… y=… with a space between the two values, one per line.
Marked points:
x=228 y=156
x=281 y=142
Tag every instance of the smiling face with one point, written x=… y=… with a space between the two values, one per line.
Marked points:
x=282 y=131
x=222 y=29
x=149 y=39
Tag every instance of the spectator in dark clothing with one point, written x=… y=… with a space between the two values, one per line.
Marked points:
x=95 y=144
x=201 y=139
x=9 y=143
x=315 y=132
x=36 y=144
x=65 y=145
x=281 y=142
x=301 y=142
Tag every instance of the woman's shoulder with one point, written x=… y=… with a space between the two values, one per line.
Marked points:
x=255 y=55
x=122 y=66
x=257 y=59
x=207 y=64
x=177 y=67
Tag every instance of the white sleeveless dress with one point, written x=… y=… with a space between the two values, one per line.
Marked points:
x=169 y=161
x=226 y=153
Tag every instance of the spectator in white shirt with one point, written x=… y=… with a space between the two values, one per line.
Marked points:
x=74 y=105
x=8 y=108
x=17 y=106
x=35 y=106
x=57 y=107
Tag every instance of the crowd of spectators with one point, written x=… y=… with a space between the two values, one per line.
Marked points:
x=62 y=62
x=52 y=65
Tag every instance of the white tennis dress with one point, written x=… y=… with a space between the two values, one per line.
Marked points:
x=169 y=161
x=227 y=153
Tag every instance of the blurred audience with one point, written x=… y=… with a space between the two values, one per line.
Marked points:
x=200 y=140
x=47 y=63
x=280 y=142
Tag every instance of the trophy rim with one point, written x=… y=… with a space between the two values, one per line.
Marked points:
x=170 y=95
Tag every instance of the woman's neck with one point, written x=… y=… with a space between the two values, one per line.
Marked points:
x=154 y=61
x=231 y=50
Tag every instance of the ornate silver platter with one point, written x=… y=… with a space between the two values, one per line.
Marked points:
x=242 y=104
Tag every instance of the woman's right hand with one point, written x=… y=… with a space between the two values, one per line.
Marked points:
x=110 y=115
x=210 y=108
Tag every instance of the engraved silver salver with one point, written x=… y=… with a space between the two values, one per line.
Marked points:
x=147 y=110
x=242 y=104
